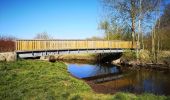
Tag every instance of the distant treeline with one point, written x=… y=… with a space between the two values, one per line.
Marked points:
x=7 y=43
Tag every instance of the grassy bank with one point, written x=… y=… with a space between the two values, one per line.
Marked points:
x=28 y=79
x=85 y=56
x=145 y=56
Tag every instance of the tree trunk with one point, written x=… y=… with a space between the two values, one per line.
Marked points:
x=153 y=44
x=133 y=32
x=139 y=31
x=133 y=21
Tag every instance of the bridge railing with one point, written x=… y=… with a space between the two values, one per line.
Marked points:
x=35 y=45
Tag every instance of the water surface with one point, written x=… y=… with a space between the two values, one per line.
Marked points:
x=87 y=70
x=110 y=78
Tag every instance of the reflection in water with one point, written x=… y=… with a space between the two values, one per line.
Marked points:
x=88 y=71
x=110 y=78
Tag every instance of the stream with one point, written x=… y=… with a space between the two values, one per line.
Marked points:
x=109 y=78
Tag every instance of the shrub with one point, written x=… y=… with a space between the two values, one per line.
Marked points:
x=7 y=43
x=129 y=55
x=52 y=58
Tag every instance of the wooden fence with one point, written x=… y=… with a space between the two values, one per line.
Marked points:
x=33 y=45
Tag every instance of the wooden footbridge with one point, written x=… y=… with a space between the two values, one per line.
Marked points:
x=50 y=47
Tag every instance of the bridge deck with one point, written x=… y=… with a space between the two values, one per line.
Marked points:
x=42 y=45
x=32 y=48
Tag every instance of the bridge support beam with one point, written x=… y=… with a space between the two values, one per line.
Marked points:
x=26 y=54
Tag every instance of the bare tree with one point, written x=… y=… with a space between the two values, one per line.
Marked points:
x=128 y=11
x=43 y=35
x=163 y=28
x=104 y=25
x=131 y=12
x=112 y=30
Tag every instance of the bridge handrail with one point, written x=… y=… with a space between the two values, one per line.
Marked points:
x=60 y=44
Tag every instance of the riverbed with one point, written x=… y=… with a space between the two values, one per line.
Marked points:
x=109 y=78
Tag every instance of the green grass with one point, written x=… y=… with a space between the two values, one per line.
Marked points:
x=37 y=79
x=40 y=80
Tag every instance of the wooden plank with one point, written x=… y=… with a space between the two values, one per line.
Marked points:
x=29 y=45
